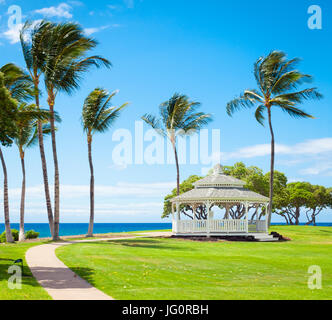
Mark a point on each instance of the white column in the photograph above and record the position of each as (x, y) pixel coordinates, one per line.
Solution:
(247, 214)
(257, 218)
(177, 220)
(173, 219)
(267, 217)
(194, 206)
(227, 211)
(207, 205)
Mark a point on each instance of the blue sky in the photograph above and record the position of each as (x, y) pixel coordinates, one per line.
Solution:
(205, 49)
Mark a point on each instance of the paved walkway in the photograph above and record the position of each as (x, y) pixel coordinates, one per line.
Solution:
(58, 280)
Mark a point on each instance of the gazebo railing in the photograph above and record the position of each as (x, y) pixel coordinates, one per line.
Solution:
(257, 226)
(211, 226)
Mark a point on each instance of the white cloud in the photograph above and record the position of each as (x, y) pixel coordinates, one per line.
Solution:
(309, 147)
(13, 34)
(121, 202)
(122, 189)
(323, 168)
(90, 31)
(61, 11)
(316, 153)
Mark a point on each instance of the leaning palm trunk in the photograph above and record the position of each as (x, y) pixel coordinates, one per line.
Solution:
(56, 174)
(22, 209)
(9, 236)
(92, 187)
(44, 166)
(272, 166)
(177, 167)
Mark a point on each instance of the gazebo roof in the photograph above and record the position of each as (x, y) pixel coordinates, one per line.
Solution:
(219, 179)
(219, 187)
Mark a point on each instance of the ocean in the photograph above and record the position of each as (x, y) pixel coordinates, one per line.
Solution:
(75, 229)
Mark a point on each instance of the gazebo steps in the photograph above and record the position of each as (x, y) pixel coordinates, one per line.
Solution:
(265, 238)
(259, 237)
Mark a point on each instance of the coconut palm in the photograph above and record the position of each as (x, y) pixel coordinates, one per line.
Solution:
(26, 124)
(178, 117)
(15, 86)
(7, 132)
(278, 83)
(34, 37)
(65, 65)
(97, 117)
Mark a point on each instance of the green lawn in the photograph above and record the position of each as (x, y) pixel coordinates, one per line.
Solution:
(181, 269)
(30, 288)
(112, 235)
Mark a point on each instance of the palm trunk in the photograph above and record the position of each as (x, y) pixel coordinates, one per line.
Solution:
(272, 165)
(56, 175)
(177, 167)
(9, 236)
(22, 233)
(92, 188)
(44, 166)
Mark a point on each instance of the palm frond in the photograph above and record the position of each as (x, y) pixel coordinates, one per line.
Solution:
(34, 37)
(195, 122)
(290, 81)
(295, 112)
(244, 101)
(298, 97)
(259, 114)
(154, 123)
(278, 82)
(107, 118)
(98, 115)
(18, 83)
(66, 57)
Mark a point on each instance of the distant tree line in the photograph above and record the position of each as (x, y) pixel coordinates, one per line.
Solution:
(291, 201)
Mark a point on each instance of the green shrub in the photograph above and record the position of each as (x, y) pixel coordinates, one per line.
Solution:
(31, 235)
(15, 234)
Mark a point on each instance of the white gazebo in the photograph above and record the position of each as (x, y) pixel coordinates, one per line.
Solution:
(224, 192)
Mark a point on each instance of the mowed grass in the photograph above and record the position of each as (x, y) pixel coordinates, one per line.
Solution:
(181, 269)
(31, 290)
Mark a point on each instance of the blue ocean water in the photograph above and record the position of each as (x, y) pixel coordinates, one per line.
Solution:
(74, 229)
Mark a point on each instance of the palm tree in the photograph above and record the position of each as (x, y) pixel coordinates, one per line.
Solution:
(178, 117)
(65, 64)
(278, 86)
(26, 136)
(7, 132)
(33, 38)
(97, 117)
(16, 86)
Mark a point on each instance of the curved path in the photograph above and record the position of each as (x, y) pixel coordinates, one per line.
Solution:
(58, 280)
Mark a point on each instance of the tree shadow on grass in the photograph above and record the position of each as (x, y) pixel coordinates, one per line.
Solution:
(146, 244)
(27, 277)
(52, 278)
(326, 231)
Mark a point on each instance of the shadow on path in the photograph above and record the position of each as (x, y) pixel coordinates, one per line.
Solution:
(49, 277)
